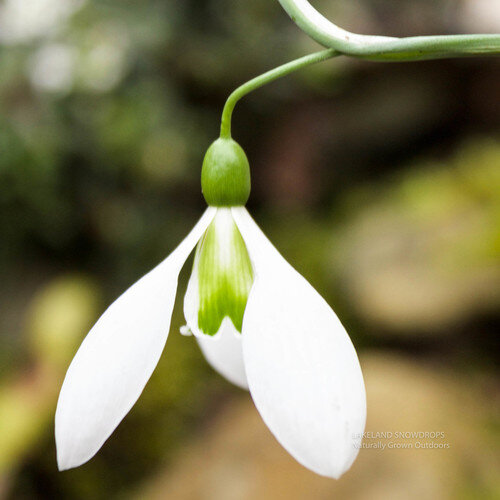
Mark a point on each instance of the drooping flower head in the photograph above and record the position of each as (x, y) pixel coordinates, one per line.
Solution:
(258, 322)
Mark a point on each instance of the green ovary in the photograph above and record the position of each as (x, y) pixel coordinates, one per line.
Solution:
(224, 274)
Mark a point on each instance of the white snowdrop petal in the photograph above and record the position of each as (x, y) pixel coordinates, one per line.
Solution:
(116, 359)
(224, 354)
(223, 350)
(221, 278)
(302, 369)
(192, 300)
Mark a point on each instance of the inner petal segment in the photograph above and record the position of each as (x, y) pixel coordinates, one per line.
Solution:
(224, 274)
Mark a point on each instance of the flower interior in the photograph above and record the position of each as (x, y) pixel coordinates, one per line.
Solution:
(225, 274)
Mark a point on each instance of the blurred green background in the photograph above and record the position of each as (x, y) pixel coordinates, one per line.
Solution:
(380, 183)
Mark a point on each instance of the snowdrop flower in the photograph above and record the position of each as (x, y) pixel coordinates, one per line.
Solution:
(258, 322)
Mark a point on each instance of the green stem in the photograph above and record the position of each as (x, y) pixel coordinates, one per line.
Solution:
(377, 48)
(387, 48)
(270, 76)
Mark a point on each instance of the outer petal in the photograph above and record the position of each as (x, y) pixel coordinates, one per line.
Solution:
(302, 369)
(224, 353)
(117, 357)
(192, 302)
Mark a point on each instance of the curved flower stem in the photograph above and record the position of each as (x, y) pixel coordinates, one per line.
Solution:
(268, 77)
(387, 48)
(376, 48)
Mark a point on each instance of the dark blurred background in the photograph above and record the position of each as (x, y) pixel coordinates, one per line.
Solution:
(379, 182)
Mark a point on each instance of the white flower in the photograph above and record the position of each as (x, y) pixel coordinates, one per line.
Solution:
(293, 354)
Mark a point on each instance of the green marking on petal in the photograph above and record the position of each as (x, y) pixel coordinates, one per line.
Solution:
(225, 274)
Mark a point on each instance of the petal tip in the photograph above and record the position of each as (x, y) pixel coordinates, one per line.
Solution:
(63, 464)
(66, 462)
(70, 453)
